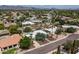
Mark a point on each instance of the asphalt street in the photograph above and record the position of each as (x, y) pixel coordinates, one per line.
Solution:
(47, 48)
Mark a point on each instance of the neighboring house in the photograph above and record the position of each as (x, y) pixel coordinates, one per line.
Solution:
(51, 30)
(36, 21)
(44, 31)
(49, 16)
(66, 18)
(68, 26)
(33, 34)
(10, 42)
(31, 22)
(4, 32)
(32, 18)
(37, 31)
(27, 23)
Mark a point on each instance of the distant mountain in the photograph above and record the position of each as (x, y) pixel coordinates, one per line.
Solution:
(34, 7)
(20, 7)
(54, 6)
(5, 7)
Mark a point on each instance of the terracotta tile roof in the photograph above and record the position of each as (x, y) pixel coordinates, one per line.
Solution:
(11, 40)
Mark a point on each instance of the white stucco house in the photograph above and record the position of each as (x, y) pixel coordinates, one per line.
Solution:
(33, 34)
(37, 31)
(51, 30)
(27, 23)
(68, 26)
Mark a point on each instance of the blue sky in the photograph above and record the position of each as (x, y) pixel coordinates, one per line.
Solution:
(56, 6)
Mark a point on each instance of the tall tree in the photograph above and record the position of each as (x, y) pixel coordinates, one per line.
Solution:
(25, 43)
(73, 47)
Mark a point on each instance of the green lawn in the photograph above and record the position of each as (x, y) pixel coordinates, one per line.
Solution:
(11, 51)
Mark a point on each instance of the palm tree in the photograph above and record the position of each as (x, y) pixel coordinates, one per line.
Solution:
(58, 50)
(74, 47)
(68, 46)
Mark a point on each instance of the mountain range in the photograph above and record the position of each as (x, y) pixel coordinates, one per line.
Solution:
(24, 7)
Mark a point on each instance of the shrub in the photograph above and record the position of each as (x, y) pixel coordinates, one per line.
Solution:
(1, 26)
(58, 31)
(70, 30)
(27, 29)
(40, 36)
(13, 29)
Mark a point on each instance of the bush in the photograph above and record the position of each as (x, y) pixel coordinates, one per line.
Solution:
(74, 22)
(19, 24)
(1, 26)
(62, 22)
(13, 29)
(58, 31)
(27, 29)
(70, 30)
(40, 36)
(25, 43)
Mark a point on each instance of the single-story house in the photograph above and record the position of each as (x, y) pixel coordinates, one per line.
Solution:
(33, 34)
(66, 18)
(68, 26)
(51, 30)
(27, 23)
(37, 31)
(4, 32)
(10, 42)
(36, 21)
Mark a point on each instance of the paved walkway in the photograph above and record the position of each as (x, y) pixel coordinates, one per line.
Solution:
(48, 40)
(36, 44)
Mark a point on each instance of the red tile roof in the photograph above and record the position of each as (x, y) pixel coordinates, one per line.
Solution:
(11, 40)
